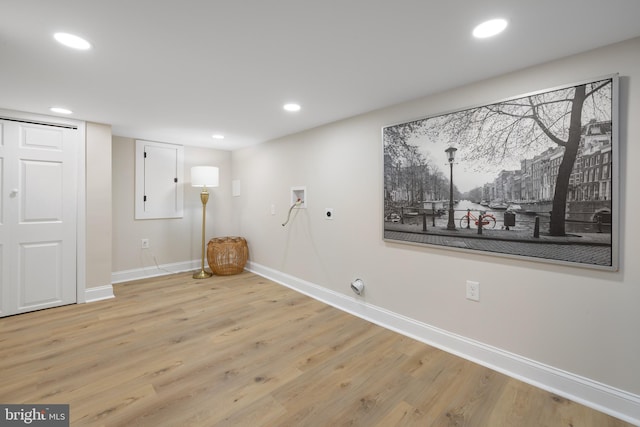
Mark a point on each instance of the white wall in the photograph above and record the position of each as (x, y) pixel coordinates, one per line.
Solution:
(98, 205)
(581, 321)
(175, 242)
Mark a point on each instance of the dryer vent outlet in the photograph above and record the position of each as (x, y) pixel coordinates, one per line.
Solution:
(357, 286)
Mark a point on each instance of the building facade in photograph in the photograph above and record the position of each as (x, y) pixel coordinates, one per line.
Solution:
(591, 178)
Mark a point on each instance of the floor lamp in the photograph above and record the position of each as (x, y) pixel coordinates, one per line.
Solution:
(204, 176)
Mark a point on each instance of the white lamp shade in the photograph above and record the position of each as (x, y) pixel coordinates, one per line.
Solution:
(204, 176)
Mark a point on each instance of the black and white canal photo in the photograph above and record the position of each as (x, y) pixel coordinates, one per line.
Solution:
(533, 176)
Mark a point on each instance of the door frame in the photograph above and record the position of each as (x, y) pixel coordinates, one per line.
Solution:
(81, 227)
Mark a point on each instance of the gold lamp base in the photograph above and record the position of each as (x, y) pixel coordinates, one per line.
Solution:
(203, 176)
(202, 274)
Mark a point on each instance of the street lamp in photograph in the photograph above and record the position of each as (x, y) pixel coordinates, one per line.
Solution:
(451, 155)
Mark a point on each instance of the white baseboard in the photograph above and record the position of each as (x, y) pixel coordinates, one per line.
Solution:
(98, 293)
(601, 397)
(161, 270)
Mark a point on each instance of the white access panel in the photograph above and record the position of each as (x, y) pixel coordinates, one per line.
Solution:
(159, 174)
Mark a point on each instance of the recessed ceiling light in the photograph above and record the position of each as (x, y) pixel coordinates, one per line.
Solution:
(60, 110)
(489, 28)
(291, 107)
(217, 136)
(72, 41)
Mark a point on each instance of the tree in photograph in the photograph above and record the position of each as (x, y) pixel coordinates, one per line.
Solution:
(512, 130)
(406, 168)
(408, 171)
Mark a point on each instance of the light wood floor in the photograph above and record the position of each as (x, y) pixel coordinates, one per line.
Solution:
(244, 351)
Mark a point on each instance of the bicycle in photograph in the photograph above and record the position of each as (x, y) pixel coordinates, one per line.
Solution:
(487, 220)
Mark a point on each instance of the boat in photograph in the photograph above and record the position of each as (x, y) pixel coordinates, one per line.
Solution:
(498, 205)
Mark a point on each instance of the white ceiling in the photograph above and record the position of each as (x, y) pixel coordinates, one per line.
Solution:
(180, 70)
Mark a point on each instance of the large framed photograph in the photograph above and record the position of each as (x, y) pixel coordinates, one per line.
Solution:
(533, 176)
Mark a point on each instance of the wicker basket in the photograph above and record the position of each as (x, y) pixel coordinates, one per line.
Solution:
(227, 255)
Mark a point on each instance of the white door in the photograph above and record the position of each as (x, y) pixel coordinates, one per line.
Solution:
(38, 198)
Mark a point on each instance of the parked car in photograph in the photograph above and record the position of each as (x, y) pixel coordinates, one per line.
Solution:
(392, 217)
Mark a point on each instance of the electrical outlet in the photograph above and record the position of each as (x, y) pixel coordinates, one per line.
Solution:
(144, 243)
(473, 290)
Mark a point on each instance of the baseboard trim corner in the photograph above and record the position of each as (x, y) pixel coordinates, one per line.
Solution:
(98, 293)
(601, 397)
